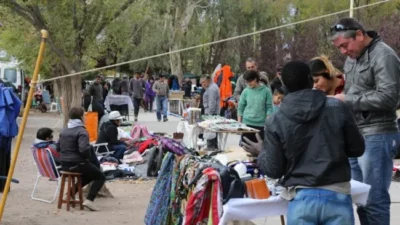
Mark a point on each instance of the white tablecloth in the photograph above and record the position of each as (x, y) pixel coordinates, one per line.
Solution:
(191, 133)
(249, 209)
(118, 100)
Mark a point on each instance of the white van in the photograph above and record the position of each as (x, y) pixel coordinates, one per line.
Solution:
(12, 73)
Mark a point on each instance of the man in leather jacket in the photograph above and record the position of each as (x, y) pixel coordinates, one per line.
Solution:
(372, 72)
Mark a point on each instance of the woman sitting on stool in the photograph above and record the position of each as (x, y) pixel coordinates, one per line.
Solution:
(76, 153)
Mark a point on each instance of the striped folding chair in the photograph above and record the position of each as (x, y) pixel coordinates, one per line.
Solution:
(46, 168)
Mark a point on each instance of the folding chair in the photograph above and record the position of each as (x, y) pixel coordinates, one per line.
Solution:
(96, 149)
(46, 168)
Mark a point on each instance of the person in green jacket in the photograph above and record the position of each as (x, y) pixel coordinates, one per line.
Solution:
(255, 104)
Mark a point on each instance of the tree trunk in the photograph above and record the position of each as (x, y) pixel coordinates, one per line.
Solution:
(176, 61)
(70, 89)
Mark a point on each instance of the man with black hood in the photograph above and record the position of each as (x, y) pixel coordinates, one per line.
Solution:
(308, 142)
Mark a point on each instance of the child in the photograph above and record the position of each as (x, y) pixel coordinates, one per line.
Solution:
(255, 104)
(44, 139)
(279, 93)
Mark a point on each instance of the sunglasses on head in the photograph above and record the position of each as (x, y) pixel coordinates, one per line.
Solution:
(340, 28)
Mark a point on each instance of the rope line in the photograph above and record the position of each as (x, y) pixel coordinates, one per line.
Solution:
(213, 42)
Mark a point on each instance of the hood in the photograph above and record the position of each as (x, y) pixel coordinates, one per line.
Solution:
(303, 106)
(75, 123)
(38, 143)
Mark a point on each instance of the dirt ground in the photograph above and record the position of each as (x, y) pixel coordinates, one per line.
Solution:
(128, 205)
(130, 198)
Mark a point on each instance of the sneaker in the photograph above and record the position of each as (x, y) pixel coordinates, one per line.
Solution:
(90, 205)
(135, 119)
(165, 119)
(159, 120)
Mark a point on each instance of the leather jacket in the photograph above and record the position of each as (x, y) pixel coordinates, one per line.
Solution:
(372, 87)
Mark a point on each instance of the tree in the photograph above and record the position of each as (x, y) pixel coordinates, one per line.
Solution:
(75, 27)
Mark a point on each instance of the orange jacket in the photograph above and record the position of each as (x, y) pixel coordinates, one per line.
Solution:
(224, 83)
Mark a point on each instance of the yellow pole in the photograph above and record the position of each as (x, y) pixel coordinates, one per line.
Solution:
(45, 35)
(351, 8)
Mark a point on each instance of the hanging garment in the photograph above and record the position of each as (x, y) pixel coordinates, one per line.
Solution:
(10, 106)
(157, 211)
(205, 203)
(222, 79)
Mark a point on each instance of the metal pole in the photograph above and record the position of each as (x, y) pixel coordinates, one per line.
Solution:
(45, 35)
(351, 8)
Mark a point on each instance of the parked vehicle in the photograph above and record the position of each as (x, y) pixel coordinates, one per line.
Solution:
(11, 72)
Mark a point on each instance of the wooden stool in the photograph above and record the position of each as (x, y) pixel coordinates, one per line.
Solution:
(70, 190)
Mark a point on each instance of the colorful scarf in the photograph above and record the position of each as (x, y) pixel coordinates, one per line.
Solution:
(205, 202)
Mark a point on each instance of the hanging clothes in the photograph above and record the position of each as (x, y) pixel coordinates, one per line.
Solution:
(223, 79)
(205, 203)
(9, 110)
(157, 211)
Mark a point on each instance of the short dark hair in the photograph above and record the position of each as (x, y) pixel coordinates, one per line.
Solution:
(296, 76)
(276, 83)
(76, 113)
(99, 76)
(44, 133)
(250, 75)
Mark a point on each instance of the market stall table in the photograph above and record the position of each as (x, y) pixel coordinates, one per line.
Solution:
(244, 209)
(118, 100)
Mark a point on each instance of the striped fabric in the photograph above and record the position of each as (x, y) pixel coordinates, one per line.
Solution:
(45, 162)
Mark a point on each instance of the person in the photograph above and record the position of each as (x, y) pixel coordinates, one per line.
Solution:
(161, 89)
(211, 104)
(307, 146)
(187, 88)
(278, 96)
(371, 90)
(251, 64)
(44, 139)
(95, 97)
(325, 76)
(76, 153)
(116, 86)
(149, 95)
(255, 104)
(125, 85)
(109, 134)
(137, 92)
(96, 90)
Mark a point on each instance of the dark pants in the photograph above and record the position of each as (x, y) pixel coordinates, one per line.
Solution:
(252, 136)
(149, 103)
(119, 151)
(136, 105)
(89, 173)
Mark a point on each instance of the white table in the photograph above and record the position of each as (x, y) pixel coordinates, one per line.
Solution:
(244, 209)
(118, 100)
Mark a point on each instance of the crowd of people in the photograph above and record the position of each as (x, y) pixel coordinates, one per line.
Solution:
(318, 127)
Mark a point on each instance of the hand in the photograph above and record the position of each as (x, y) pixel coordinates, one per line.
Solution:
(254, 148)
(340, 97)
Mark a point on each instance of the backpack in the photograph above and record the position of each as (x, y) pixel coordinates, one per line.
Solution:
(138, 131)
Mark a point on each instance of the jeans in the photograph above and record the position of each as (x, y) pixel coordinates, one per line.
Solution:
(162, 104)
(375, 167)
(119, 151)
(136, 106)
(89, 173)
(314, 206)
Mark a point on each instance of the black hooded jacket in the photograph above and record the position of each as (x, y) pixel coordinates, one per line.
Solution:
(309, 140)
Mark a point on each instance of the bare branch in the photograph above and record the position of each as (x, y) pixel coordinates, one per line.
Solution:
(106, 21)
